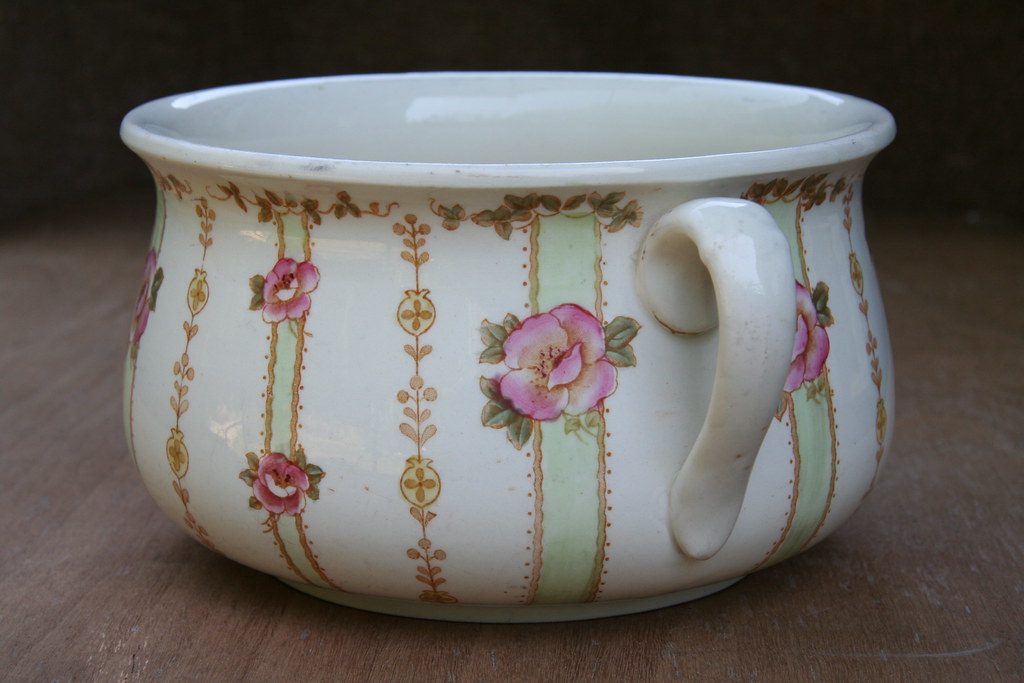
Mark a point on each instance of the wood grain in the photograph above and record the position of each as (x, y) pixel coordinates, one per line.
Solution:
(924, 583)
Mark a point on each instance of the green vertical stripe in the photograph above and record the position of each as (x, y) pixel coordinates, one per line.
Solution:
(283, 387)
(288, 343)
(784, 214)
(293, 239)
(572, 519)
(128, 394)
(566, 253)
(813, 445)
(567, 249)
(286, 528)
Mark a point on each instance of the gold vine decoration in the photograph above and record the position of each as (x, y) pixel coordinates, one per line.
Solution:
(420, 483)
(871, 345)
(518, 212)
(197, 296)
(309, 210)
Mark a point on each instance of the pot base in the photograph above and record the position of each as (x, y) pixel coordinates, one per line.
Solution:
(504, 614)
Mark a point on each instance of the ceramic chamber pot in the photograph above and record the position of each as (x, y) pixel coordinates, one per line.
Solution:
(508, 347)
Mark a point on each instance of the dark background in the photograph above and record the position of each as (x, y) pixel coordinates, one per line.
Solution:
(949, 70)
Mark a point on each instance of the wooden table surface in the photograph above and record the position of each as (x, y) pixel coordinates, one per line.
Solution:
(924, 583)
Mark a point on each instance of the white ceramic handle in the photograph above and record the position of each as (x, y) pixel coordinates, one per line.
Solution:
(729, 251)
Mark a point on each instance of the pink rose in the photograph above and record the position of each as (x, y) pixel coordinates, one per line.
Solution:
(557, 364)
(286, 289)
(810, 346)
(280, 484)
(141, 315)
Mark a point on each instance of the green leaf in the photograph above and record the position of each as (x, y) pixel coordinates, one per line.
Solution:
(605, 206)
(266, 214)
(492, 354)
(255, 504)
(514, 202)
(551, 203)
(510, 322)
(497, 415)
(492, 333)
(837, 189)
(820, 296)
(629, 214)
(574, 202)
(572, 424)
(493, 336)
(587, 423)
(158, 279)
(453, 216)
(299, 458)
(521, 204)
(816, 388)
(520, 430)
(620, 332)
(489, 387)
(256, 285)
(622, 358)
(820, 299)
(489, 217)
(247, 476)
(253, 460)
(313, 492)
(503, 229)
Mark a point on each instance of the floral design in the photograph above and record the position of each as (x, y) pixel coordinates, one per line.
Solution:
(177, 453)
(281, 485)
(562, 362)
(420, 482)
(152, 278)
(806, 413)
(281, 479)
(557, 364)
(810, 345)
(198, 292)
(284, 292)
(416, 312)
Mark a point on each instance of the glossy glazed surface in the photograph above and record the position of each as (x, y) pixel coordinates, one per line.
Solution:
(447, 390)
(467, 127)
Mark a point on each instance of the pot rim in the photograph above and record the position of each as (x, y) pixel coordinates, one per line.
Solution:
(149, 131)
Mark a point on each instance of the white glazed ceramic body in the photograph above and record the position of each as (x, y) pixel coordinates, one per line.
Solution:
(417, 343)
